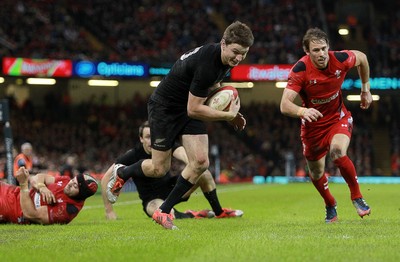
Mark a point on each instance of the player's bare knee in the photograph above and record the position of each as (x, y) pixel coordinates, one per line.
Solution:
(160, 171)
(153, 205)
(335, 153)
(201, 165)
(316, 173)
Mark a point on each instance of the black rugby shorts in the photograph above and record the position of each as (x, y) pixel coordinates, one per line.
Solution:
(168, 123)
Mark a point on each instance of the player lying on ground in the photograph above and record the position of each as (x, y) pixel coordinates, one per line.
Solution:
(153, 191)
(50, 200)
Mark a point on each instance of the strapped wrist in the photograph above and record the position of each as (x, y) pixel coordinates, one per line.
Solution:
(365, 87)
(24, 187)
(40, 186)
(301, 111)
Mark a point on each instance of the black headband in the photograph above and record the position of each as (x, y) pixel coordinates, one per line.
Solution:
(84, 190)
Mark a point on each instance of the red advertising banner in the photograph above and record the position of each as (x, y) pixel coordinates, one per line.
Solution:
(36, 67)
(260, 72)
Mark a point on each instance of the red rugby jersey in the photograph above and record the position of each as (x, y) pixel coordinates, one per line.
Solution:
(321, 89)
(65, 209)
(62, 212)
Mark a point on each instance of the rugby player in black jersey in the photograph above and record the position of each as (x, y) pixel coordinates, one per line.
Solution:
(176, 110)
(153, 191)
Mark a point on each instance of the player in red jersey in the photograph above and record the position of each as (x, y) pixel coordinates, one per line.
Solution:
(49, 201)
(326, 125)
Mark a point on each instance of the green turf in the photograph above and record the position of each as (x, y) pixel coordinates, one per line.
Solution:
(281, 223)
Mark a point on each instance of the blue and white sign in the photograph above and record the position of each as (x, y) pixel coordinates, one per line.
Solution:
(84, 69)
(111, 69)
(376, 83)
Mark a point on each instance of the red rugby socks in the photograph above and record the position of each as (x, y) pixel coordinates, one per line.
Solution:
(348, 172)
(322, 186)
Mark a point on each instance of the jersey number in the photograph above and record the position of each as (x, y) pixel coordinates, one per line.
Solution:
(184, 56)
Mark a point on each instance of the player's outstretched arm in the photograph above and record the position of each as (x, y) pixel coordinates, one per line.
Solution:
(108, 208)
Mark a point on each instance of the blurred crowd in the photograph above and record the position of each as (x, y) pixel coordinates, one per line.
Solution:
(95, 134)
(158, 32)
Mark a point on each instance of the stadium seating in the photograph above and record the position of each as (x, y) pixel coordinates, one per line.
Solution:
(158, 32)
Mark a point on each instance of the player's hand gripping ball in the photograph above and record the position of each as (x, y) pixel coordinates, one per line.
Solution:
(220, 99)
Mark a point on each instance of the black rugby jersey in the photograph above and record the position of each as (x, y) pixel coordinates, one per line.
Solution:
(195, 71)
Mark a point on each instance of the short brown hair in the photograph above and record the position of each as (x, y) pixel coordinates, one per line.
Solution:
(314, 34)
(238, 33)
(143, 126)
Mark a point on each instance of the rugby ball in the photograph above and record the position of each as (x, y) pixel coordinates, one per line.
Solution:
(220, 99)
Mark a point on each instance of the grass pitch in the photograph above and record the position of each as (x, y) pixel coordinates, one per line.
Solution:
(280, 223)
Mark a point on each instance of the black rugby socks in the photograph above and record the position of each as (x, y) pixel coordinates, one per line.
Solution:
(134, 170)
(214, 202)
(181, 187)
